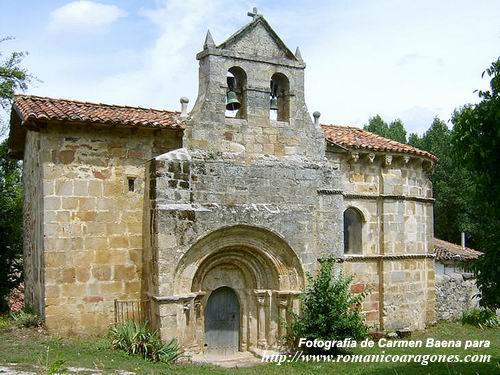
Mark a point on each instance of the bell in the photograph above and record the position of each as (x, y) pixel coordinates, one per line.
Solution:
(273, 105)
(232, 102)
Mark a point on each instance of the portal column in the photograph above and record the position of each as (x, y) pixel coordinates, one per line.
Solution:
(283, 312)
(261, 309)
(199, 320)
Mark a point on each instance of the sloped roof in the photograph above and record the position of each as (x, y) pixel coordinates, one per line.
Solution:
(30, 107)
(258, 20)
(449, 251)
(356, 138)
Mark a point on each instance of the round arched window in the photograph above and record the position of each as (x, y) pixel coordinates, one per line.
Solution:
(353, 223)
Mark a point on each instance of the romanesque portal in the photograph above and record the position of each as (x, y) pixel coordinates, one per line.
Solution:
(243, 281)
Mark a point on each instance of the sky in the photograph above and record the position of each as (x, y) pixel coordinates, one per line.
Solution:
(406, 59)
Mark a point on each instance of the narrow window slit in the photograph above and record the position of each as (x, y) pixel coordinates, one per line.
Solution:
(131, 184)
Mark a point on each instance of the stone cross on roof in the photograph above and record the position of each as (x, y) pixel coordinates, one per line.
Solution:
(254, 13)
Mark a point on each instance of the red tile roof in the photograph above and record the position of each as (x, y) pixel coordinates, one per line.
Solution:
(31, 107)
(449, 251)
(355, 138)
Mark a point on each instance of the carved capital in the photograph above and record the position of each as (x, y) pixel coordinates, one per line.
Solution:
(197, 304)
(260, 296)
(283, 301)
(354, 157)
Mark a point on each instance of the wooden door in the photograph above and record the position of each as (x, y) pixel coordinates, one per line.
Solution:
(222, 322)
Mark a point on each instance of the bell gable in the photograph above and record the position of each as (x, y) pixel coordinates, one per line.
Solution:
(251, 98)
(258, 39)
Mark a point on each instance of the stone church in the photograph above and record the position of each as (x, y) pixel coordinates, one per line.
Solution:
(214, 216)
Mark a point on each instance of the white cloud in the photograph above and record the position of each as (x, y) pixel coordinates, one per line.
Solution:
(418, 119)
(365, 59)
(84, 15)
(169, 68)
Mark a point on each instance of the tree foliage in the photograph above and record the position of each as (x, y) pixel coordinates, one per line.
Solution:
(13, 78)
(466, 180)
(452, 184)
(395, 130)
(377, 125)
(329, 310)
(11, 207)
(476, 144)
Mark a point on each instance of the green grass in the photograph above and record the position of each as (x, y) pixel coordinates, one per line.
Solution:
(5, 322)
(28, 347)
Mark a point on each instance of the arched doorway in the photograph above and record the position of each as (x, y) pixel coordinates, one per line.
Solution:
(222, 322)
(263, 274)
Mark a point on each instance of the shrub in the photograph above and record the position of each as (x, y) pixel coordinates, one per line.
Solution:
(5, 322)
(138, 339)
(329, 311)
(26, 317)
(481, 317)
(48, 367)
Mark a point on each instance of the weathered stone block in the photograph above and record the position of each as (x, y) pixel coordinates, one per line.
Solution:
(118, 242)
(64, 188)
(81, 188)
(69, 203)
(82, 274)
(52, 203)
(95, 188)
(102, 272)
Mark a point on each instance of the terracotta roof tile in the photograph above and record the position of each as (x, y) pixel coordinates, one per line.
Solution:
(32, 107)
(449, 251)
(355, 138)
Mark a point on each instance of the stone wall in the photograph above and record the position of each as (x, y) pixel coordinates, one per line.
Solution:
(366, 273)
(262, 220)
(394, 195)
(92, 222)
(454, 295)
(33, 224)
(409, 296)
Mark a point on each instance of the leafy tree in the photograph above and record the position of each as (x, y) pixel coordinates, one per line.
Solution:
(329, 310)
(414, 140)
(13, 78)
(11, 208)
(377, 125)
(452, 184)
(395, 130)
(476, 142)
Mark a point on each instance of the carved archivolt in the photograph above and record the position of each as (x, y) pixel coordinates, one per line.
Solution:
(264, 259)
